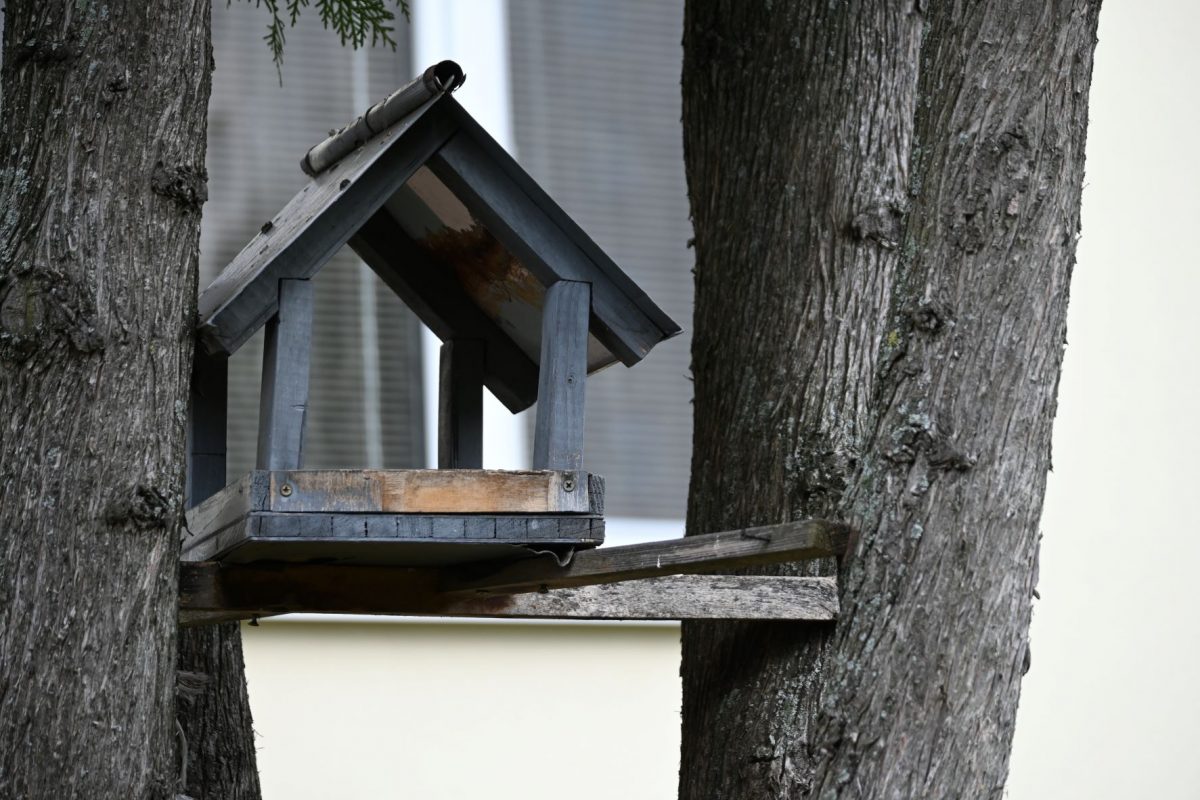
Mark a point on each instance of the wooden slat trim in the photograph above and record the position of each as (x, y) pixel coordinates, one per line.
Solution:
(350, 533)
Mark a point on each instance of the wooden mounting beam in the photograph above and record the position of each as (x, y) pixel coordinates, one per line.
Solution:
(207, 590)
(710, 552)
(211, 591)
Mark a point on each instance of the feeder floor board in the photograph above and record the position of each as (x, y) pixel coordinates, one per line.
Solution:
(396, 517)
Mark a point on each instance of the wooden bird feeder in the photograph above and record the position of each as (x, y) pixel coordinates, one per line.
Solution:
(524, 302)
(526, 305)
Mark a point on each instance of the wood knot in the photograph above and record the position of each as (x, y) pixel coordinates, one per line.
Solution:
(931, 317)
(882, 224)
(143, 507)
(41, 307)
(186, 186)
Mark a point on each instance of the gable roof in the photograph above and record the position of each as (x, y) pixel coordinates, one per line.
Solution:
(453, 225)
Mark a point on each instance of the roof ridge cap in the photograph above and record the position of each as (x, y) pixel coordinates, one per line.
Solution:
(442, 78)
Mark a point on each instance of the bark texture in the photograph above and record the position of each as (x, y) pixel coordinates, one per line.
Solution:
(214, 712)
(101, 184)
(886, 202)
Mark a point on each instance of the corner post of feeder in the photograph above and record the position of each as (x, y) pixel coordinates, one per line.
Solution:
(558, 429)
(207, 416)
(283, 403)
(460, 405)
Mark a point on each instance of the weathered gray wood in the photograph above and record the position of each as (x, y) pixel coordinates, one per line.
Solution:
(596, 492)
(314, 224)
(206, 426)
(532, 227)
(790, 541)
(283, 402)
(226, 507)
(403, 503)
(670, 597)
(433, 295)
(206, 589)
(365, 538)
(562, 375)
(460, 405)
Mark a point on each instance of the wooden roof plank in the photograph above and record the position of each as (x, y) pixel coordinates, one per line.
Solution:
(432, 295)
(612, 273)
(523, 225)
(311, 228)
(343, 204)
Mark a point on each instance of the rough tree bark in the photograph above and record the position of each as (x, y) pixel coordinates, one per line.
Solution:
(886, 200)
(101, 184)
(214, 713)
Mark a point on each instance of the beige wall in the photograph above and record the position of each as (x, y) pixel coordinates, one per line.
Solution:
(1111, 708)
(451, 711)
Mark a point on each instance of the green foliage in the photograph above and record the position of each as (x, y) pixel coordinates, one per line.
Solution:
(352, 20)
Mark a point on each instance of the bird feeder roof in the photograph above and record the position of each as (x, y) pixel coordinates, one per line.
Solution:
(453, 225)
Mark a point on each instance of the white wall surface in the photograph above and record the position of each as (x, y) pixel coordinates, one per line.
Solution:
(1111, 708)
(453, 711)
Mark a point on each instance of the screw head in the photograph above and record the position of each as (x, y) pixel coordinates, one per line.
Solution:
(569, 484)
(286, 490)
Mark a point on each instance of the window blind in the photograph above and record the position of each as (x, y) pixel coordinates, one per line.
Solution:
(596, 110)
(258, 130)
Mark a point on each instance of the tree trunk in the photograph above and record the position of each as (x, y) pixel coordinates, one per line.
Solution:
(885, 202)
(219, 756)
(101, 184)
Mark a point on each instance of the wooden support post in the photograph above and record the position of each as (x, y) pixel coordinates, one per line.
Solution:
(283, 403)
(558, 430)
(460, 405)
(206, 426)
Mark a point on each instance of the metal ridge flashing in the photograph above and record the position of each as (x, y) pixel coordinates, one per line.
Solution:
(443, 77)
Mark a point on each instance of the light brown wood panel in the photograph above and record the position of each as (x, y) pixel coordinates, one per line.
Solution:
(485, 492)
